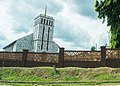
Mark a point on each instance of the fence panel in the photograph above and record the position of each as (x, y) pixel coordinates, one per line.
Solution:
(82, 55)
(112, 53)
(43, 57)
(65, 58)
(11, 56)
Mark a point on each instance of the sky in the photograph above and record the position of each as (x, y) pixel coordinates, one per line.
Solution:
(76, 24)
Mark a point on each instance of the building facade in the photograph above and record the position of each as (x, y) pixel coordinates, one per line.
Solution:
(39, 41)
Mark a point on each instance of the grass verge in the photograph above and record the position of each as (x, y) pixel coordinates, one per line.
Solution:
(68, 74)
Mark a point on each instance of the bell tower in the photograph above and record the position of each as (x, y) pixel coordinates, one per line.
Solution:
(43, 32)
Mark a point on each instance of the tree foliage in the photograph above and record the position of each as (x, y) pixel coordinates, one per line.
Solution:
(93, 48)
(109, 10)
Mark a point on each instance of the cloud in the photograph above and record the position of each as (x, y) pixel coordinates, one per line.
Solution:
(86, 8)
(67, 33)
(28, 9)
(25, 11)
(1, 47)
(53, 6)
(77, 29)
(23, 14)
(76, 25)
(21, 29)
(68, 28)
(105, 39)
(2, 36)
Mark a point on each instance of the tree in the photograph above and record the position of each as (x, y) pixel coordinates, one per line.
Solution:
(109, 10)
(93, 48)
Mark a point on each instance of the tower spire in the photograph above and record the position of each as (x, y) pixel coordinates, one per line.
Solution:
(45, 11)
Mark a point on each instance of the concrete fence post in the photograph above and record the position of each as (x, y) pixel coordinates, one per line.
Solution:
(24, 57)
(61, 57)
(103, 56)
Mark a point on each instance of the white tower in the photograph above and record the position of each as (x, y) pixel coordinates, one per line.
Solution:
(43, 33)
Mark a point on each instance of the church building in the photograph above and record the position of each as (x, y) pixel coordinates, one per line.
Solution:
(39, 41)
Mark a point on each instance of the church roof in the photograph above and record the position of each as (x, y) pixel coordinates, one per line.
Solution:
(16, 41)
(10, 44)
